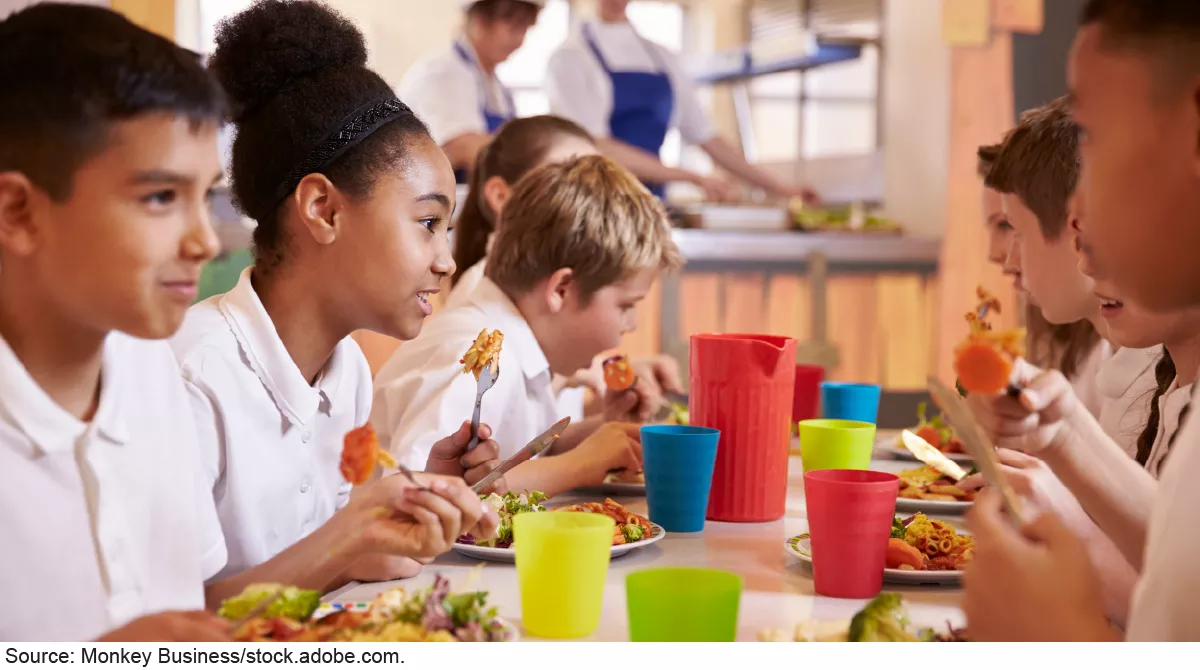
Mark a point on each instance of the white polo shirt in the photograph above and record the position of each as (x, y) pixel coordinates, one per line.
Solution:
(580, 90)
(449, 94)
(272, 442)
(1165, 607)
(101, 522)
(422, 394)
(1126, 383)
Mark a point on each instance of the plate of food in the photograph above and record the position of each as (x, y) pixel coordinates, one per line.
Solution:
(921, 551)
(632, 531)
(621, 483)
(884, 619)
(432, 614)
(924, 489)
(935, 431)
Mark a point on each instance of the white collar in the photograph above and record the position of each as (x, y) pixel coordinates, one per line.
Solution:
(50, 427)
(503, 312)
(264, 352)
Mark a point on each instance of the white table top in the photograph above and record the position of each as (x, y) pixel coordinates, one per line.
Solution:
(778, 590)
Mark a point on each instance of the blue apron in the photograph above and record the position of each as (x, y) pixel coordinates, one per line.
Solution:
(642, 105)
(493, 119)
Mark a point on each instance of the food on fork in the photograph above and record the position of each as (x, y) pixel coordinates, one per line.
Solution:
(483, 353)
(984, 360)
(619, 374)
(361, 454)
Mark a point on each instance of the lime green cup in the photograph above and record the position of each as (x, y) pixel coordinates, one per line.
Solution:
(683, 605)
(562, 563)
(836, 444)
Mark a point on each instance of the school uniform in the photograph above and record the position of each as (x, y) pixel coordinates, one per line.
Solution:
(422, 394)
(1165, 607)
(451, 93)
(615, 83)
(1126, 382)
(1084, 381)
(271, 441)
(101, 522)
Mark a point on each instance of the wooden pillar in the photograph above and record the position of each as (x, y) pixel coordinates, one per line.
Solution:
(981, 105)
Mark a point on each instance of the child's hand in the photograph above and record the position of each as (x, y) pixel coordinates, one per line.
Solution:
(660, 374)
(450, 457)
(1038, 486)
(394, 517)
(383, 568)
(614, 446)
(1035, 422)
(173, 627)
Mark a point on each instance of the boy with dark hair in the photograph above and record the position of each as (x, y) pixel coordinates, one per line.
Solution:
(107, 157)
(1135, 78)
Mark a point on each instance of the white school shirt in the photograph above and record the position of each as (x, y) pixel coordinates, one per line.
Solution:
(1126, 383)
(570, 400)
(422, 395)
(580, 90)
(448, 94)
(271, 442)
(101, 522)
(1165, 606)
(1084, 381)
(1170, 408)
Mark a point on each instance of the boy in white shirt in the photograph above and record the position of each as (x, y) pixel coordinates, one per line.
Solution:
(581, 243)
(107, 156)
(1135, 77)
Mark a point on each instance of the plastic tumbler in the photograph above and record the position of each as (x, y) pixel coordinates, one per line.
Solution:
(682, 605)
(855, 402)
(850, 516)
(836, 444)
(807, 396)
(562, 562)
(678, 462)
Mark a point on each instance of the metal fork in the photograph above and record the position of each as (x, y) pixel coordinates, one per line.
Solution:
(487, 378)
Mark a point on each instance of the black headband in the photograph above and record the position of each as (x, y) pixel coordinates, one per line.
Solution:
(355, 128)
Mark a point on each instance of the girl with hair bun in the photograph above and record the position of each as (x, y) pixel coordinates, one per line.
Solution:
(352, 199)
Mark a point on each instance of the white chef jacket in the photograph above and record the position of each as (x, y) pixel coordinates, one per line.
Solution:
(449, 94)
(272, 442)
(1165, 607)
(422, 394)
(580, 90)
(1126, 383)
(107, 521)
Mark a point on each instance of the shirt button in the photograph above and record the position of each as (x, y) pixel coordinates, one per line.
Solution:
(304, 487)
(306, 436)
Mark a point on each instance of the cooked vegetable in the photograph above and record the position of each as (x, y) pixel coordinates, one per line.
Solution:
(508, 506)
(633, 532)
(619, 374)
(884, 619)
(361, 454)
(296, 604)
(982, 368)
(902, 555)
(898, 529)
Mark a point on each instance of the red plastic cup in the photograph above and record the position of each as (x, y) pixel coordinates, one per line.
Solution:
(807, 396)
(850, 515)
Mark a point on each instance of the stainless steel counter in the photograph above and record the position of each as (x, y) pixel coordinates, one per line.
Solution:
(778, 250)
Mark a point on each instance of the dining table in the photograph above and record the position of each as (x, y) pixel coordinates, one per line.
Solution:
(777, 587)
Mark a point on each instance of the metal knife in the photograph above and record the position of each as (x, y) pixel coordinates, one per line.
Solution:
(538, 445)
(932, 456)
(976, 443)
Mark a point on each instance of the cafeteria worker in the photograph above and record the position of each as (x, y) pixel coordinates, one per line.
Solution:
(456, 91)
(628, 92)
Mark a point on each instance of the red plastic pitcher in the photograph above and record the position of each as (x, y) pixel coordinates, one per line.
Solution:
(742, 385)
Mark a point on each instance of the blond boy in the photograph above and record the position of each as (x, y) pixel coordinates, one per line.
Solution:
(581, 244)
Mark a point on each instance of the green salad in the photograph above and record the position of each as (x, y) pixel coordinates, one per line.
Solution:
(507, 506)
(294, 603)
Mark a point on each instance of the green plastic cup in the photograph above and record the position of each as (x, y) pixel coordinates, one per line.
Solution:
(683, 605)
(562, 563)
(836, 444)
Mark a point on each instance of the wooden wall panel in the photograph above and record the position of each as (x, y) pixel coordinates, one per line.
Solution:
(854, 328)
(789, 307)
(903, 328)
(745, 304)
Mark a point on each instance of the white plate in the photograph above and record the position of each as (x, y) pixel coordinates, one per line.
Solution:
(933, 507)
(938, 577)
(509, 555)
(329, 608)
(888, 442)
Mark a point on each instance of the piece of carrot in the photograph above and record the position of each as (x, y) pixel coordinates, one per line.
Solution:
(901, 553)
(982, 368)
(619, 374)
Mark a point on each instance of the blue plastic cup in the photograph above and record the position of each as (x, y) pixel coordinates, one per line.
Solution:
(679, 461)
(852, 402)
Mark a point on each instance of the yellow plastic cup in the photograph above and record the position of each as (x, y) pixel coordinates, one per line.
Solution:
(836, 444)
(562, 564)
